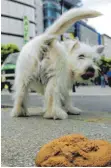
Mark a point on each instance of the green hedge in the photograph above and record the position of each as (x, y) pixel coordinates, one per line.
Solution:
(108, 60)
(105, 64)
(8, 49)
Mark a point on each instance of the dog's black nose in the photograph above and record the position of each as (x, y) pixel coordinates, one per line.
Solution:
(89, 73)
(90, 69)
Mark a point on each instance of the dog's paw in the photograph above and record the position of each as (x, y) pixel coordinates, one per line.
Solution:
(61, 115)
(20, 113)
(56, 115)
(74, 111)
(47, 115)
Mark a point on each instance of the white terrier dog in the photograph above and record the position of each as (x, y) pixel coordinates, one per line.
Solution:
(51, 67)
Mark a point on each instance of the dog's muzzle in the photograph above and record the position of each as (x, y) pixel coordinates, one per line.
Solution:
(89, 73)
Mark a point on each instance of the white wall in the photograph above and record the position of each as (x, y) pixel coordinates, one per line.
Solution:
(14, 26)
(107, 44)
(11, 39)
(88, 35)
(30, 2)
(17, 10)
(39, 17)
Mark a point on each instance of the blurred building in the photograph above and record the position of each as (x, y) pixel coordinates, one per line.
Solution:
(106, 41)
(39, 17)
(24, 19)
(52, 9)
(21, 20)
(87, 34)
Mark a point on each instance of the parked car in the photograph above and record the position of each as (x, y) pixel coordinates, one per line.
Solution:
(8, 71)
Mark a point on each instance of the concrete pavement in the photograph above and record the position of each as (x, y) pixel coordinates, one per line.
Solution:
(84, 90)
(23, 137)
(87, 98)
(93, 91)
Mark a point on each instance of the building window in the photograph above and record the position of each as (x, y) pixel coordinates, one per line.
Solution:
(52, 10)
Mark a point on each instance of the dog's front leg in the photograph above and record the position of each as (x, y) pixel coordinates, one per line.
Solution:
(53, 102)
(69, 108)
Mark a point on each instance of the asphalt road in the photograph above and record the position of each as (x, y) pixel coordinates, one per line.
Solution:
(23, 137)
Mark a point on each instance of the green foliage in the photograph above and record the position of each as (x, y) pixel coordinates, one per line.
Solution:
(105, 64)
(8, 49)
(104, 59)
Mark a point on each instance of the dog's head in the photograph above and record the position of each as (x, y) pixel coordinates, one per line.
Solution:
(83, 59)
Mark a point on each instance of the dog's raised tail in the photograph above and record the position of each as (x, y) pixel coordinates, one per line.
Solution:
(69, 18)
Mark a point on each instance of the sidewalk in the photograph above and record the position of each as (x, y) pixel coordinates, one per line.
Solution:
(81, 90)
(23, 137)
(92, 91)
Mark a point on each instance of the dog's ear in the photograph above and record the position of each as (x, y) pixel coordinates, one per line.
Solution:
(99, 49)
(72, 44)
(75, 45)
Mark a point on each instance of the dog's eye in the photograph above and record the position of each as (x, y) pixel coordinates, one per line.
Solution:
(81, 56)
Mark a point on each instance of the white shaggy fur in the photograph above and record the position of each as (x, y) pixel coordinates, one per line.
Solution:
(51, 67)
(78, 65)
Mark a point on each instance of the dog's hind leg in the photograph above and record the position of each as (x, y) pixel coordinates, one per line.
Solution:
(71, 109)
(20, 96)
